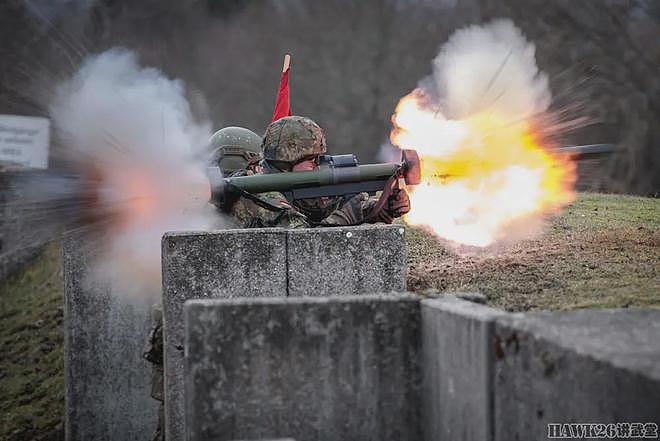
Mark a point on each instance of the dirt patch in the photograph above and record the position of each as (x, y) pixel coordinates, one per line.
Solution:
(603, 251)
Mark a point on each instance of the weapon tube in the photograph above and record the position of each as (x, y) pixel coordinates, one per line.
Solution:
(337, 175)
(591, 151)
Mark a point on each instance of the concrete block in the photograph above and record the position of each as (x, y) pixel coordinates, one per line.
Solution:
(346, 260)
(107, 382)
(226, 264)
(307, 368)
(458, 360)
(587, 366)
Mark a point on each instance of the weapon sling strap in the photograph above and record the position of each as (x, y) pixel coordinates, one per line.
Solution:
(257, 200)
(281, 211)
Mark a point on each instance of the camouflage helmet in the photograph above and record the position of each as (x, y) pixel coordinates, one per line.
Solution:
(234, 148)
(292, 138)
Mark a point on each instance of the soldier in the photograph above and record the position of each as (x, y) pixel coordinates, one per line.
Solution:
(296, 143)
(236, 150)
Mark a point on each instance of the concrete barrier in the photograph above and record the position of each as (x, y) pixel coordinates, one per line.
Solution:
(313, 368)
(587, 366)
(231, 263)
(308, 368)
(348, 260)
(268, 263)
(493, 375)
(458, 362)
(294, 367)
(107, 382)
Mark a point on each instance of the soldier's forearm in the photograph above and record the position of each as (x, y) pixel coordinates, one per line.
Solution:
(352, 212)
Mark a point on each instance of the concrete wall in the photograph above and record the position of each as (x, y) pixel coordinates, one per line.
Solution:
(487, 374)
(458, 362)
(490, 375)
(346, 260)
(589, 366)
(268, 263)
(234, 263)
(294, 367)
(107, 382)
(328, 369)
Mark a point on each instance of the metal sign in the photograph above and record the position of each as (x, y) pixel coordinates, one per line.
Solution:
(24, 141)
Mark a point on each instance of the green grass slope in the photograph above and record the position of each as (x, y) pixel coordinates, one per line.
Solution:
(31, 351)
(602, 251)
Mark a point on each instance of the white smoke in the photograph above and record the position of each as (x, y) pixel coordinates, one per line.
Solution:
(112, 98)
(388, 153)
(134, 126)
(489, 67)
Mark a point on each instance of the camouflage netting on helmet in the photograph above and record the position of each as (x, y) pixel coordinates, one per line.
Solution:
(234, 148)
(292, 138)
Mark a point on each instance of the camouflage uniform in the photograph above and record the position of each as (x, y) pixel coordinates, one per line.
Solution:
(153, 353)
(274, 211)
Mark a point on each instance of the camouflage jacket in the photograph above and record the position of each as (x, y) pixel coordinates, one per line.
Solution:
(272, 209)
(153, 352)
(277, 211)
(266, 210)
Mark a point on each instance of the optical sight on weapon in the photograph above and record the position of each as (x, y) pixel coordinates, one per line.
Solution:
(337, 175)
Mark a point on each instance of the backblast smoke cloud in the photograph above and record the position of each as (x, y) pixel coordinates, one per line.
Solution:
(132, 137)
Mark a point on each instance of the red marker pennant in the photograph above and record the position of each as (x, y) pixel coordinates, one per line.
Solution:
(283, 103)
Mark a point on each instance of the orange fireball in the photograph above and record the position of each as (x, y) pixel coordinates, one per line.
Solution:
(485, 178)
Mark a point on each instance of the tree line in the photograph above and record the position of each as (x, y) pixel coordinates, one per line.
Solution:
(352, 61)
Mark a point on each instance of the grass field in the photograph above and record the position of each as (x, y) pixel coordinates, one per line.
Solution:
(603, 251)
(31, 351)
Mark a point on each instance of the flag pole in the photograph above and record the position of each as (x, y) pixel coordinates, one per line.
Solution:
(287, 62)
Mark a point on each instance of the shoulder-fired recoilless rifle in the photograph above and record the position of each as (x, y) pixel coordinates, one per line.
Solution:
(337, 175)
(341, 175)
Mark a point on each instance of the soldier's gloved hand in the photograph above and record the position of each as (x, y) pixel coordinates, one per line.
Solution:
(398, 204)
(350, 213)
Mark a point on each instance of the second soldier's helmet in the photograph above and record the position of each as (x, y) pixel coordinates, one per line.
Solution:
(293, 138)
(234, 148)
